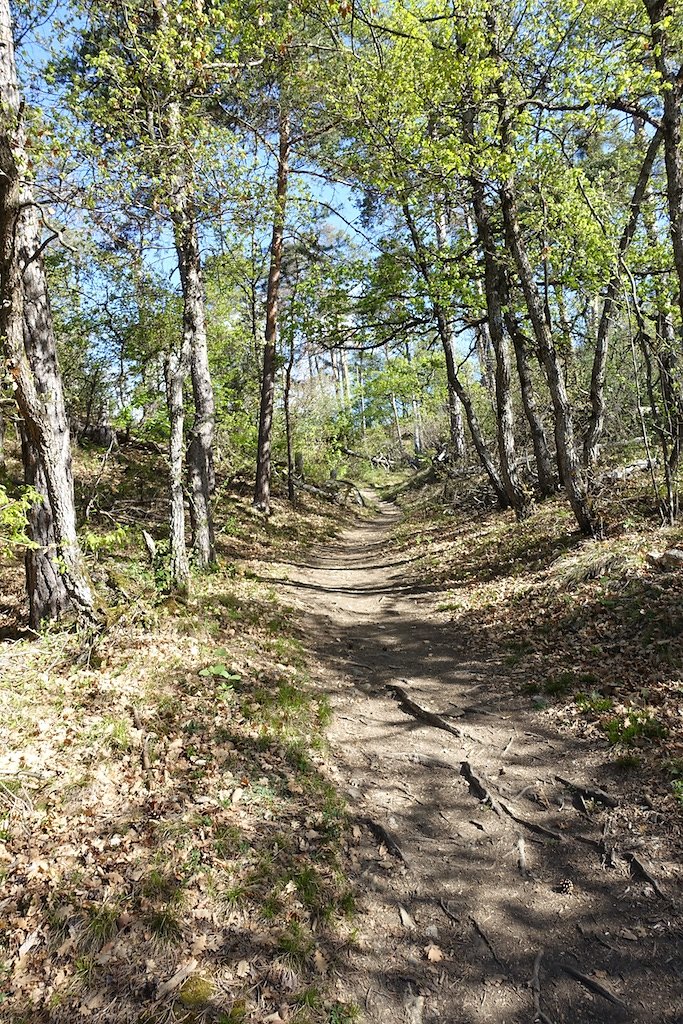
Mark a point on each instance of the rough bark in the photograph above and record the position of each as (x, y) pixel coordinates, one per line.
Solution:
(176, 374)
(200, 465)
(55, 576)
(263, 463)
(591, 444)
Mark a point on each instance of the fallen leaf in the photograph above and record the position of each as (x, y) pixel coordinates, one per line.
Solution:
(242, 969)
(434, 953)
(406, 920)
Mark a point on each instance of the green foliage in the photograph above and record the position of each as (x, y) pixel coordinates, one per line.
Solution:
(594, 702)
(14, 507)
(633, 726)
(107, 541)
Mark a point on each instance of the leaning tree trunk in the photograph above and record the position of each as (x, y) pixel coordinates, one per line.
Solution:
(448, 342)
(200, 465)
(447, 338)
(661, 13)
(263, 461)
(570, 466)
(457, 429)
(591, 443)
(493, 289)
(55, 576)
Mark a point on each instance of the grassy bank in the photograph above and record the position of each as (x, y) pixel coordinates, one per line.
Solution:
(170, 847)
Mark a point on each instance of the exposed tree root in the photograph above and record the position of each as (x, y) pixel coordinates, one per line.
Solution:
(429, 717)
(589, 792)
(593, 986)
(384, 836)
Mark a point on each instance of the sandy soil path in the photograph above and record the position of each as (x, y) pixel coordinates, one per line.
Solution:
(490, 891)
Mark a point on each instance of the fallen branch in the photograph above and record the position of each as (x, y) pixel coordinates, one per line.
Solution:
(429, 717)
(593, 986)
(590, 792)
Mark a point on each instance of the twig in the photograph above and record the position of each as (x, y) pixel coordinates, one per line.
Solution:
(592, 985)
(88, 507)
(449, 913)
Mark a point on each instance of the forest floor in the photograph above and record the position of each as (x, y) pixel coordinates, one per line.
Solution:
(418, 764)
(512, 864)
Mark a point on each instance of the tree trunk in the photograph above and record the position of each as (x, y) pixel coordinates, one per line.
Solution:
(175, 380)
(547, 481)
(448, 342)
(457, 430)
(263, 464)
(493, 288)
(55, 575)
(200, 465)
(659, 11)
(570, 466)
(482, 334)
(591, 443)
(447, 338)
(291, 491)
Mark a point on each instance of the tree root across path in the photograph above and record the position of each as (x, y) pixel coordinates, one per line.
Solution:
(423, 715)
(482, 790)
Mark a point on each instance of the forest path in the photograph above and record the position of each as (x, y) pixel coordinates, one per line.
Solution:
(453, 917)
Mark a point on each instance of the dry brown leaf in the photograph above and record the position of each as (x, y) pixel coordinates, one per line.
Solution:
(242, 970)
(434, 953)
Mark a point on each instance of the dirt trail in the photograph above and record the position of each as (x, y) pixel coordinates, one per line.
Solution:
(490, 868)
